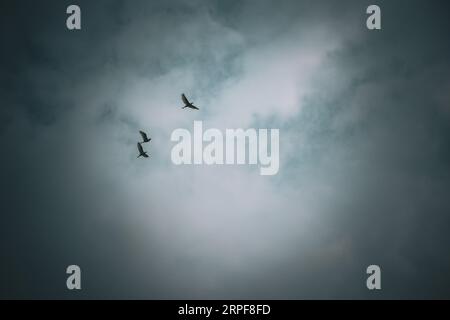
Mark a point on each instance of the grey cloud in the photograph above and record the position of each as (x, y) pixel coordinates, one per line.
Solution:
(364, 152)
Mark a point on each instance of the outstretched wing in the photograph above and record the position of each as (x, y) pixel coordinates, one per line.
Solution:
(141, 150)
(194, 107)
(144, 135)
(185, 100)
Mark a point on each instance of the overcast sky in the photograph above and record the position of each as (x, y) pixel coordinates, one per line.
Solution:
(364, 119)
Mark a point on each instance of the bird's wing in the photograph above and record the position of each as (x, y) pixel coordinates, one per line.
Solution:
(144, 135)
(185, 100)
(140, 148)
(145, 155)
(194, 107)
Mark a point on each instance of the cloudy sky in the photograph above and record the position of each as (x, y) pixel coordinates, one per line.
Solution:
(364, 119)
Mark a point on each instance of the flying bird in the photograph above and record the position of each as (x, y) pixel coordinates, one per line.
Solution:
(188, 104)
(142, 153)
(144, 137)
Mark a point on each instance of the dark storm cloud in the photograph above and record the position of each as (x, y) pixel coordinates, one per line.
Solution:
(364, 119)
(382, 138)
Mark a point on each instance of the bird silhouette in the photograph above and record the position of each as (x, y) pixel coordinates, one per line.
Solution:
(142, 153)
(144, 137)
(188, 104)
